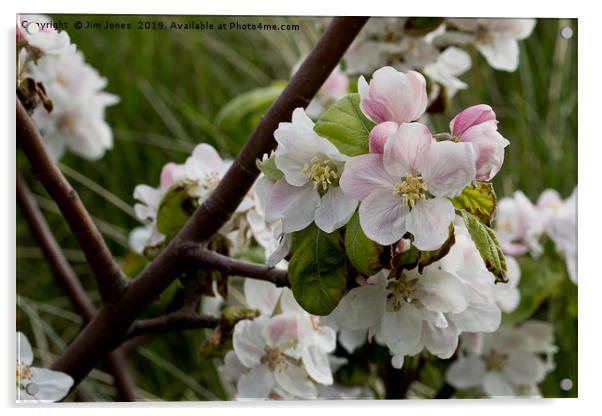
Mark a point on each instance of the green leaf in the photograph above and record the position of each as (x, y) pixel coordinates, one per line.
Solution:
(317, 270)
(479, 199)
(269, 169)
(345, 126)
(420, 26)
(487, 244)
(176, 207)
(363, 253)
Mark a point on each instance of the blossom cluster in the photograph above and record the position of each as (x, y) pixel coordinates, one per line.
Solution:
(402, 185)
(283, 353)
(508, 363)
(429, 309)
(438, 53)
(521, 224)
(76, 121)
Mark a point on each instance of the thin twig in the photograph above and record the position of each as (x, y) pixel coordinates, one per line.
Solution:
(67, 278)
(112, 322)
(175, 321)
(215, 261)
(111, 283)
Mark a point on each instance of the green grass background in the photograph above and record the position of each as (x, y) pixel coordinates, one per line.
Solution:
(172, 85)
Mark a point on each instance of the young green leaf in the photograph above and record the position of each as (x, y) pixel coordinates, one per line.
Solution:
(345, 126)
(363, 253)
(175, 208)
(269, 169)
(487, 244)
(317, 270)
(479, 199)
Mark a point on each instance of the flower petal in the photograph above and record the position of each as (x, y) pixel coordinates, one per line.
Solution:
(296, 206)
(383, 217)
(248, 341)
(256, 384)
(401, 330)
(524, 368)
(315, 361)
(496, 385)
(335, 210)
(379, 134)
(441, 342)
(449, 168)
(441, 291)
(261, 295)
(429, 222)
(51, 385)
(407, 150)
(363, 174)
(466, 372)
(24, 351)
(362, 307)
(295, 382)
(500, 53)
(281, 330)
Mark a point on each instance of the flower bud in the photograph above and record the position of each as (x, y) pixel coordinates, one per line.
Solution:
(379, 135)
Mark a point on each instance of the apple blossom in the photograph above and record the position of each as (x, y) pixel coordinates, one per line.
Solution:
(407, 188)
(519, 226)
(478, 125)
(497, 39)
(309, 189)
(508, 362)
(34, 384)
(334, 88)
(39, 38)
(446, 69)
(393, 96)
(77, 120)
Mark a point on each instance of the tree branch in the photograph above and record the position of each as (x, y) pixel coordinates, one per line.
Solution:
(175, 321)
(445, 392)
(214, 261)
(111, 283)
(112, 322)
(67, 278)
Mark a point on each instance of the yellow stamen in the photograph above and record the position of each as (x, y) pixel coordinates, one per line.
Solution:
(321, 173)
(411, 189)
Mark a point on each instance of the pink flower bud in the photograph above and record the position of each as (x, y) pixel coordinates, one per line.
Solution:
(403, 245)
(472, 116)
(336, 86)
(478, 125)
(393, 96)
(379, 135)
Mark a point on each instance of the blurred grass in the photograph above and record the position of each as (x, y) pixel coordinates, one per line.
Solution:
(173, 84)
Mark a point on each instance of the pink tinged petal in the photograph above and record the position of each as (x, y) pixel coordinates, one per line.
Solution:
(167, 175)
(449, 168)
(363, 174)
(501, 53)
(281, 330)
(407, 151)
(335, 210)
(294, 381)
(261, 295)
(379, 135)
(441, 342)
(429, 222)
(205, 159)
(489, 146)
(361, 308)
(440, 291)
(523, 368)
(401, 330)
(52, 385)
(393, 96)
(296, 206)
(24, 351)
(383, 217)
(315, 361)
(248, 341)
(496, 385)
(471, 116)
(466, 372)
(256, 384)
(336, 85)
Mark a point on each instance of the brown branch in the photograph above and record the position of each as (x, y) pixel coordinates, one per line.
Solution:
(112, 322)
(67, 278)
(214, 261)
(175, 321)
(111, 283)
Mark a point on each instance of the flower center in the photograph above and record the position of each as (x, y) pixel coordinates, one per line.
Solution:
(275, 360)
(495, 361)
(402, 291)
(322, 173)
(23, 375)
(207, 185)
(411, 189)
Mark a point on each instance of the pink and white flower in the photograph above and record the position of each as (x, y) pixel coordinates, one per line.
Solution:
(407, 189)
(507, 363)
(519, 226)
(393, 96)
(448, 66)
(309, 190)
(478, 125)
